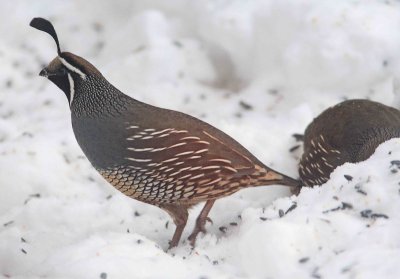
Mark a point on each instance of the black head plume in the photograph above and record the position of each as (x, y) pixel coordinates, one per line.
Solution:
(46, 26)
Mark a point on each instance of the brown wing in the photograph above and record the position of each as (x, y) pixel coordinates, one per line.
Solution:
(170, 165)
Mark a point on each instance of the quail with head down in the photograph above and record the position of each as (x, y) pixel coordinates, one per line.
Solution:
(347, 132)
(158, 156)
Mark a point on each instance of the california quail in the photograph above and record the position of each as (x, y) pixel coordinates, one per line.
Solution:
(157, 156)
(347, 132)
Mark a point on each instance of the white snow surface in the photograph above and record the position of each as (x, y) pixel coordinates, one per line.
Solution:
(288, 60)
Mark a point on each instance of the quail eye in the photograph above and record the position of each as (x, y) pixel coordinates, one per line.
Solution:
(62, 71)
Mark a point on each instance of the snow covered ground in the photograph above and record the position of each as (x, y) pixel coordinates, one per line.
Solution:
(260, 70)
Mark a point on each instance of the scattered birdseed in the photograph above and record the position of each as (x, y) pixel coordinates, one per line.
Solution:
(103, 275)
(294, 148)
(139, 241)
(304, 260)
(346, 269)
(273, 91)
(367, 213)
(315, 274)
(359, 190)
(385, 63)
(98, 27)
(23, 240)
(292, 207)
(8, 223)
(23, 251)
(245, 105)
(281, 213)
(215, 263)
(137, 214)
(263, 218)
(233, 223)
(395, 163)
(66, 159)
(298, 137)
(223, 229)
(108, 197)
(344, 206)
(91, 179)
(348, 177)
(178, 44)
(9, 83)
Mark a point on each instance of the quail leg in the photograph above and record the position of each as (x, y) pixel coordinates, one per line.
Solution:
(201, 222)
(180, 215)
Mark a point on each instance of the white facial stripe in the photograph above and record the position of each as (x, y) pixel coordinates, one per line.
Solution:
(72, 68)
(71, 89)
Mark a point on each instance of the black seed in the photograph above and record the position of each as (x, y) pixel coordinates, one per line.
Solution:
(294, 148)
(393, 171)
(139, 48)
(395, 163)
(233, 224)
(346, 269)
(66, 159)
(238, 115)
(304, 260)
(366, 213)
(166, 224)
(315, 273)
(223, 229)
(298, 137)
(292, 207)
(344, 206)
(27, 134)
(9, 83)
(100, 45)
(263, 219)
(103, 275)
(348, 177)
(32, 196)
(178, 44)
(359, 190)
(281, 213)
(127, 230)
(215, 262)
(385, 63)
(8, 223)
(379, 215)
(137, 214)
(139, 241)
(245, 105)
(23, 240)
(23, 251)
(273, 91)
(108, 197)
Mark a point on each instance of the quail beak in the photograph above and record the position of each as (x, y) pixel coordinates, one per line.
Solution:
(280, 179)
(44, 73)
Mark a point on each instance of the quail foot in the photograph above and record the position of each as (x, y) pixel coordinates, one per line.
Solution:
(161, 157)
